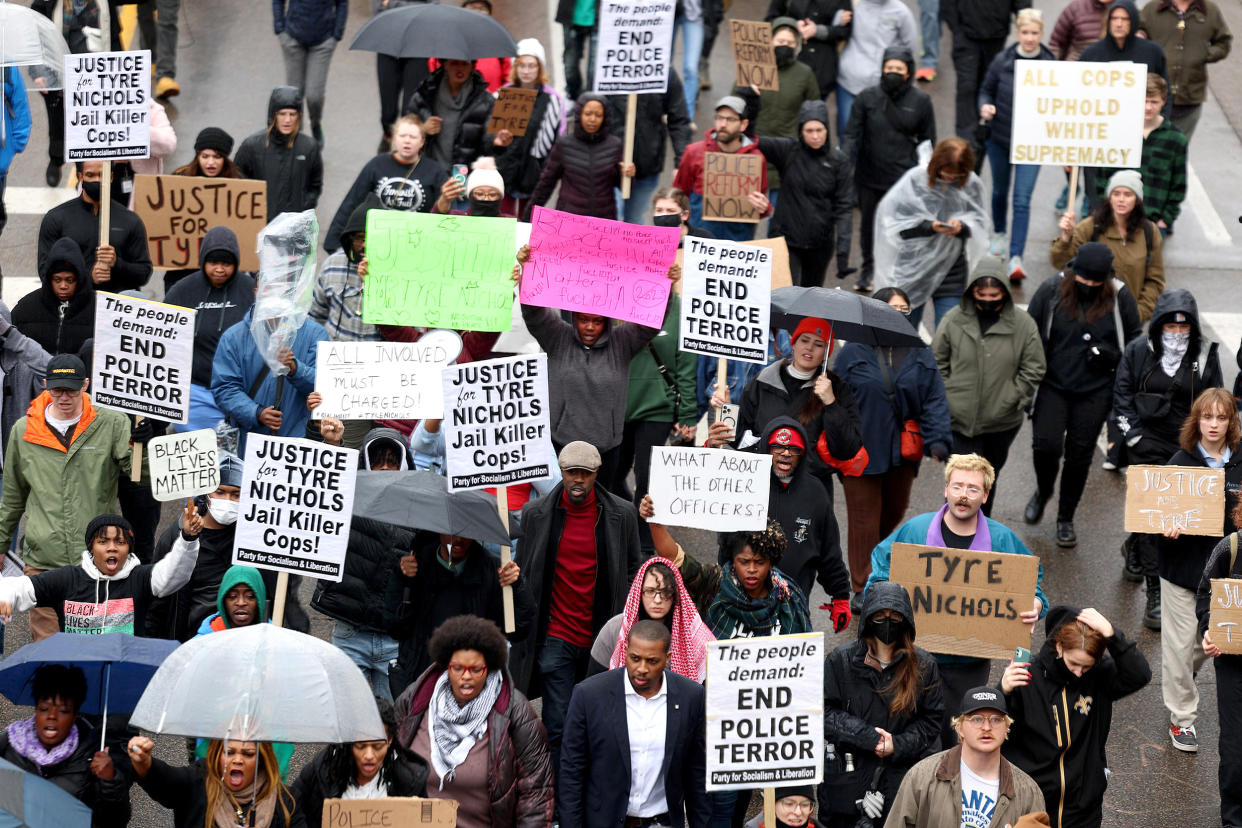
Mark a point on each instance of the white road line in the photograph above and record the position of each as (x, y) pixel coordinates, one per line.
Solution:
(1209, 220)
(15, 287)
(1226, 326)
(35, 200)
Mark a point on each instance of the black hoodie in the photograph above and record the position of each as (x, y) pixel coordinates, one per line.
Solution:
(294, 174)
(883, 130)
(1135, 49)
(60, 327)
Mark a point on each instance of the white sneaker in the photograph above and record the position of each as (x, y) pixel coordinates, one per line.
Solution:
(999, 245)
(1016, 273)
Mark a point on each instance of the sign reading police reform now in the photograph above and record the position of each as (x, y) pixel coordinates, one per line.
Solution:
(143, 353)
(635, 46)
(297, 498)
(765, 711)
(726, 299)
(108, 106)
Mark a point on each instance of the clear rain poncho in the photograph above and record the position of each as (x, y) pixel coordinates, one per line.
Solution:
(282, 302)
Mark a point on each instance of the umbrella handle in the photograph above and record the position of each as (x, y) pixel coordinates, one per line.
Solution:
(107, 685)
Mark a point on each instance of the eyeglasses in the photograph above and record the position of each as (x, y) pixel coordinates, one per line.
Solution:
(792, 451)
(64, 392)
(972, 491)
(991, 721)
(651, 593)
(797, 805)
(464, 671)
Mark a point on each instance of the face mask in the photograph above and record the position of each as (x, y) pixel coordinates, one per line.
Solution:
(892, 82)
(223, 512)
(1087, 293)
(669, 220)
(989, 307)
(484, 208)
(92, 189)
(886, 630)
(784, 55)
(1177, 342)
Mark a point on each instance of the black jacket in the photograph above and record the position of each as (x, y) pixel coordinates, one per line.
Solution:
(468, 142)
(817, 192)
(1067, 341)
(1061, 723)
(997, 90)
(819, 54)
(108, 799)
(1219, 565)
(883, 132)
(659, 117)
(183, 790)
(585, 165)
(515, 163)
(983, 19)
(60, 328)
(1182, 561)
(314, 784)
(77, 220)
(1135, 49)
(294, 174)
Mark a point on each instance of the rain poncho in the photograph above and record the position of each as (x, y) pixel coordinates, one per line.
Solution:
(286, 284)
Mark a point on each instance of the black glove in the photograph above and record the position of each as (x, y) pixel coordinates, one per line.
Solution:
(939, 451)
(142, 432)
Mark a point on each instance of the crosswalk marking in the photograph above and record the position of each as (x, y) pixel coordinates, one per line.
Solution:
(1209, 221)
(35, 201)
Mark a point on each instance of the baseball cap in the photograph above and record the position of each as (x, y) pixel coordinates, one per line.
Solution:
(983, 698)
(66, 371)
(733, 102)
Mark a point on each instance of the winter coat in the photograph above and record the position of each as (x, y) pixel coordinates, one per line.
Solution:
(474, 116)
(77, 220)
(648, 396)
(855, 705)
(1190, 43)
(294, 173)
(1222, 564)
(1061, 722)
(817, 192)
(1142, 272)
(820, 51)
(310, 22)
(409, 187)
(59, 327)
(990, 377)
(1078, 26)
(883, 133)
(108, 799)
(23, 365)
(522, 161)
(877, 25)
(1135, 49)
(997, 90)
(1182, 561)
(931, 794)
(520, 778)
(337, 299)
(183, 790)
(660, 118)
(981, 19)
(314, 785)
(585, 165)
(14, 117)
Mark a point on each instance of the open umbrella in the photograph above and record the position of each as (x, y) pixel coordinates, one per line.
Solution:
(854, 318)
(260, 683)
(434, 31)
(421, 500)
(31, 40)
(29, 801)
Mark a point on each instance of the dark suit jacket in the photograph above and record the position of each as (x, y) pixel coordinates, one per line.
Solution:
(594, 785)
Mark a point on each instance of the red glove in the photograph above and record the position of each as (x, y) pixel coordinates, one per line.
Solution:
(839, 610)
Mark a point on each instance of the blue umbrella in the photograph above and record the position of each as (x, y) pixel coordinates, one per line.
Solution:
(27, 801)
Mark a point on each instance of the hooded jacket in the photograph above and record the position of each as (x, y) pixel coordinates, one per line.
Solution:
(1134, 49)
(660, 118)
(236, 575)
(108, 799)
(585, 165)
(314, 784)
(877, 26)
(990, 375)
(471, 121)
(59, 327)
(997, 90)
(218, 309)
(819, 51)
(1061, 722)
(14, 116)
(884, 131)
(778, 115)
(855, 704)
(79, 221)
(294, 173)
(1182, 561)
(23, 365)
(981, 19)
(337, 300)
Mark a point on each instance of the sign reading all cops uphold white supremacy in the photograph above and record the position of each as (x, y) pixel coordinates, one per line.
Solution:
(143, 354)
(635, 46)
(297, 498)
(108, 106)
(726, 299)
(1084, 114)
(765, 711)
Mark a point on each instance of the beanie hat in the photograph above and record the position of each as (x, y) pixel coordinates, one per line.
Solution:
(786, 436)
(814, 326)
(796, 790)
(104, 521)
(530, 47)
(485, 174)
(230, 470)
(214, 138)
(1094, 262)
(1126, 178)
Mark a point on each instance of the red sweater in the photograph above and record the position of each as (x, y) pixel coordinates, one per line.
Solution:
(573, 582)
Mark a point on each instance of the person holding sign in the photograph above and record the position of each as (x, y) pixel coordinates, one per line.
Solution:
(586, 162)
(660, 118)
(60, 314)
(337, 302)
(520, 160)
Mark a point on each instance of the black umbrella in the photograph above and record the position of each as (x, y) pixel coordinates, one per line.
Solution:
(434, 31)
(421, 500)
(854, 318)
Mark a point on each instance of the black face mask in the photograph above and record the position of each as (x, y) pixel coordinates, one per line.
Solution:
(484, 208)
(1087, 293)
(92, 189)
(892, 83)
(669, 220)
(886, 630)
(989, 307)
(784, 55)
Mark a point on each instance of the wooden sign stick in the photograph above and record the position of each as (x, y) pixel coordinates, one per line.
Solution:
(135, 462)
(278, 604)
(502, 507)
(105, 202)
(627, 157)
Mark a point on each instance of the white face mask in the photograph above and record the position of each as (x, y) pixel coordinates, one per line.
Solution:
(223, 512)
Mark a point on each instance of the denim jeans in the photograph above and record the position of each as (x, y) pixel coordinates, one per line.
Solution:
(166, 38)
(576, 44)
(373, 652)
(306, 67)
(560, 665)
(691, 48)
(942, 305)
(1024, 176)
(728, 230)
(845, 102)
(634, 210)
(929, 22)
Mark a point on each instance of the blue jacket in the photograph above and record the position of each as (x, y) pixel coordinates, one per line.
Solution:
(919, 389)
(997, 90)
(310, 22)
(14, 118)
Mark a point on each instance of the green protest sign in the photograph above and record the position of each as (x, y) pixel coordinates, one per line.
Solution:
(439, 271)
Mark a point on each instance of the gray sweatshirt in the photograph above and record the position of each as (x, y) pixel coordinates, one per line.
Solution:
(877, 24)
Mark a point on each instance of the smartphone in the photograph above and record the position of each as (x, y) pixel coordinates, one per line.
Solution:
(200, 503)
(459, 173)
(1021, 655)
(728, 414)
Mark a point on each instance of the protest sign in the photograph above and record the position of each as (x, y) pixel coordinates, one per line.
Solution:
(765, 711)
(1225, 618)
(496, 428)
(388, 812)
(1189, 498)
(143, 354)
(178, 211)
(726, 299)
(108, 106)
(717, 489)
(1071, 113)
(384, 380)
(728, 177)
(598, 266)
(439, 271)
(297, 499)
(967, 602)
(635, 46)
(183, 465)
(780, 260)
(754, 60)
(512, 110)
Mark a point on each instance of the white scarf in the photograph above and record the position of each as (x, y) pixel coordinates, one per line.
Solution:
(1173, 348)
(454, 728)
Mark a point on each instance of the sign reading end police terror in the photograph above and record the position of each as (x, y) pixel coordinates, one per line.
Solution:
(765, 711)
(108, 106)
(143, 353)
(726, 299)
(635, 46)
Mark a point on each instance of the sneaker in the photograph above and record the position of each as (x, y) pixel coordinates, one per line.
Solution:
(166, 87)
(1184, 738)
(1016, 273)
(925, 75)
(999, 245)
(1062, 201)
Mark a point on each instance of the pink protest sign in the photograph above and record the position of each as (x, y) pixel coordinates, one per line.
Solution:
(598, 266)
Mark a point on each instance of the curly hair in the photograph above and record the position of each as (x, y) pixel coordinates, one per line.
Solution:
(56, 681)
(469, 632)
(339, 764)
(768, 543)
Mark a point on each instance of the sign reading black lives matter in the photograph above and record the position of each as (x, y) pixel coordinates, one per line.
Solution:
(635, 46)
(143, 353)
(296, 501)
(765, 711)
(108, 106)
(726, 299)
(496, 428)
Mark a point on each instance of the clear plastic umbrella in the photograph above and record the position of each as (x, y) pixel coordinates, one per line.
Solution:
(30, 40)
(262, 683)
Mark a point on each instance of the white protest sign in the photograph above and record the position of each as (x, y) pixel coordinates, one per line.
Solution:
(184, 465)
(1084, 114)
(143, 354)
(496, 428)
(717, 489)
(726, 299)
(765, 711)
(297, 498)
(635, 46)
(384, 380)
(108, 106)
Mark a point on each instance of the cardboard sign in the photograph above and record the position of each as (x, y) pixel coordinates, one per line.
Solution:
(439, 271)
(108, 106)
(765, 711)
(178, 210)
(781, 276)
(512, 110)
(598, 266)
(717, 489)
(726, 299)
(754, 60)
(967, 602)
(728, 177)
(1187, 497)
(297, 499)
(496, 428)
(635, 47)
(389, 812)
(384, 380)
(143, 354)
(1225, 619)
(183, 465)
(1086, 114)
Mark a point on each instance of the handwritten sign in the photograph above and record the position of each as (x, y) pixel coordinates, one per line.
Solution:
(727, 290)
(1189, 498)
(143, 354)
(967, 602)
(754, 60)
(1088, 114)
(715, 489)
(389, 812)
(108, 106)
(1225, 618)
(439, 271)
(598, 266)
(512, 110)
(183, 465)
(384, 380)
(728, 177)
(780, 260)
(635, 47)
(178, 210)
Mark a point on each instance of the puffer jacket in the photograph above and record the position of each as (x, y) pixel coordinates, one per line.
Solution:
(519, 778)
(293, 172)
(1190, 43)
(59, 327)
(879, 151)
(997, 90)
(1078, 26)
(820, 51)
(585, 165)
(314, 785)
(815, 209)
(108, 799)
(468, 142)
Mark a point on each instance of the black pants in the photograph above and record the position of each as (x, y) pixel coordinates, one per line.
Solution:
(636, 444)
(971, 59)
(1066, 423)
(579, 41)
(955, 680)
(54, 102)
(993, 447)
(398, 79)
(809, 265)
(868, 201)
(4, 216)
(142, 511)
(1228, 691)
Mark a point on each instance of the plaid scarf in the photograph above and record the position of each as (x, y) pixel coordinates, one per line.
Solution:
(454, 728)
(734, 614)
(688, 651)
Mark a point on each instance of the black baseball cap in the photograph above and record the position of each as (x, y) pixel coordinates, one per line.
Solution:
(66, 371)
(983, 698)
